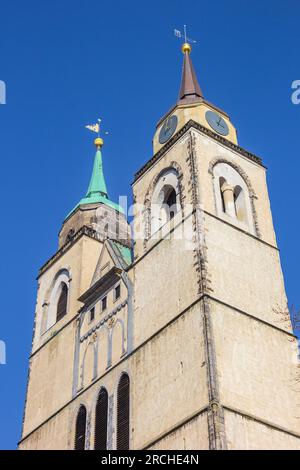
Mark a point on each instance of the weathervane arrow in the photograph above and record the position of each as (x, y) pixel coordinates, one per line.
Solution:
(94, 127)
(183, 35)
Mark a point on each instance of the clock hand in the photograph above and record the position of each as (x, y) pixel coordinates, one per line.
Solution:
(219, 123)
(167, 124)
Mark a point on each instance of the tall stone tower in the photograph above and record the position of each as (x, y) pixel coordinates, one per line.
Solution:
(183, 343)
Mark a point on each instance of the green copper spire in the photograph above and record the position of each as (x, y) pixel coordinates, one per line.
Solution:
(97, 186)
(97, 192)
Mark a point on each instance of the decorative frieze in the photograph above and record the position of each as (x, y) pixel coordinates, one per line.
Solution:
(104, 320)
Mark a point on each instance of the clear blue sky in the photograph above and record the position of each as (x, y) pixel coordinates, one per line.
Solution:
(65, 62)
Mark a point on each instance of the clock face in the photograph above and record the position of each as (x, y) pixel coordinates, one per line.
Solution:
(168, 129)
(217, 123)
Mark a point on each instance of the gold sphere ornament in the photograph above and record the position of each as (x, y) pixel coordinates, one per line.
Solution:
(98, 142)
(186, 47)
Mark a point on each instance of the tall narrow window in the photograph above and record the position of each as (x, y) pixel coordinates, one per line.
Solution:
(117, 293)
(221, 182)
(103, 303)
(62, 302)
(101, 421)
(80, 429)
(92, 314)
(170, 201)
(123, 414)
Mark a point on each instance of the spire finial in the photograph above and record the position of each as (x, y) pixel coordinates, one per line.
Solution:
(190, 90)
(98, 142)
(97, 191)
(186, 46)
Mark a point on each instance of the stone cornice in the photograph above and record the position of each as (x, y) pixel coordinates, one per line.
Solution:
(205, 131)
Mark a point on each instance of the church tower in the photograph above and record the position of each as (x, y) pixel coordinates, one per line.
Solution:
(182, 342)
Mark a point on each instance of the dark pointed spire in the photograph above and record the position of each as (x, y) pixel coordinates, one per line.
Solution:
(190, 90)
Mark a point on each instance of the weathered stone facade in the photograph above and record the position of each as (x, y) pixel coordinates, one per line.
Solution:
(195, 321)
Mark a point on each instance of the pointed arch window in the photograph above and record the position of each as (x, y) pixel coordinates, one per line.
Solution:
(101, 420)
(80, 431)
(62, 302)
(123, 413)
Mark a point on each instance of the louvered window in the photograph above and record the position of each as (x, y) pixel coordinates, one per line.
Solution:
(101, 421)
(62, 302)
(80, 429)
(123, 414)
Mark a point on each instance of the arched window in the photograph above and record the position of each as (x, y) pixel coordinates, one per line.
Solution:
(123, 413)
(232, 196)
(62, 302)
(101, 421)
(165, 199)
(56, 302)
(80, 429)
